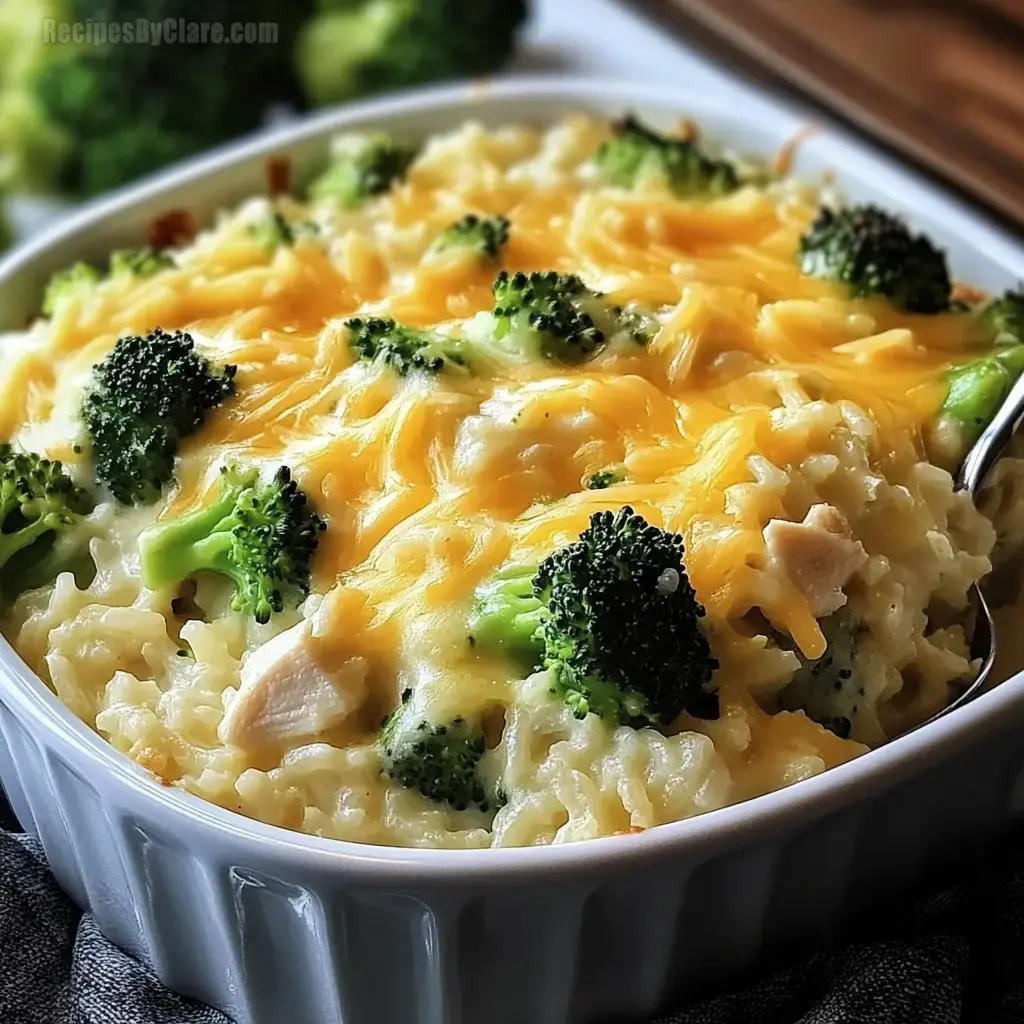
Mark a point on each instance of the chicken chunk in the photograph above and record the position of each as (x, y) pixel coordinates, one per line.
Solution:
(287, 694)
(818, 555)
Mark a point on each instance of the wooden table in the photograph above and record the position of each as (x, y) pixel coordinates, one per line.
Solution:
(940, 80)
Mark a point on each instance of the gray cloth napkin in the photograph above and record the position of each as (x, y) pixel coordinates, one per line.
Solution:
(956, 959)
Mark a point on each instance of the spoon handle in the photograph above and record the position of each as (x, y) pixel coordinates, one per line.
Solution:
(985, 452)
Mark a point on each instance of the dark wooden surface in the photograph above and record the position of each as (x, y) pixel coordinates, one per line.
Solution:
(940, 80)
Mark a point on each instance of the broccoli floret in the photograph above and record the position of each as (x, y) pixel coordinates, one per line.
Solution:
(143, 262)
(404, 348)
(977, 390)
(262, 536)
(874, 253)
(79, 278)
(440, 761)
(615, 620)
(361, 166)
(483, 236)
(625, 638)
(39, 505)
(828, 689)
(145, 396)
(276, 231)
(636, 153)
(364, 46)
(32, 148)
(75, 280)
(273, 231)
(553, 315)
(1003, 318)
(129, 108)
(604, 478)
(507, 616)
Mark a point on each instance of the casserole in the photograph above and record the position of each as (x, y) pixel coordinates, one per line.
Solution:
(271, 926)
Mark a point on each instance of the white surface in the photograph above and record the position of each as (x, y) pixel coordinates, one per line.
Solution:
(274, 926)
(607, 39)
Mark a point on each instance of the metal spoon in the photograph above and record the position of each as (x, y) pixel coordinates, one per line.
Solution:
(973, 472)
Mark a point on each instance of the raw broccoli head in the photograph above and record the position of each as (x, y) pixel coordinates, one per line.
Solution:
(262, 536)
(361, 166)
(6, 232)
(874, 253)
(32, 148)
(145, 396)
(508, 616)
(364, 46)
(636, 153)
(75, 280)
(129, 109)
(440, 761)
(143, 262)
(38, 503)
(1003, 318)
(405, 349)
(550, 312)
(624, 639)
(484, 236)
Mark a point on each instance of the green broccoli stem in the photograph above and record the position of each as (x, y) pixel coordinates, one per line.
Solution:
(977, 389)
(201, 541)
(25, 536)
(508, 617)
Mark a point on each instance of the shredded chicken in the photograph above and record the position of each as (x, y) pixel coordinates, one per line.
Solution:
(818, 555)
(286, 694)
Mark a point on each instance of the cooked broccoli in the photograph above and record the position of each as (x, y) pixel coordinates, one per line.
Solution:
(75, 280)
(130, 109)
(440, 761)
(80, 277)
(507, 616)
(484, 236)
(615, 620)
(39, 505)
(637, 153)
(144, 262)
(828, 689)
(361, 166)
(262, 536)
(357, 47)
(605, 478)
(404, 348)
(273, 231)
(145, 396)
(555, 316)
(1003, 318)
(977, 389)
(874, 253)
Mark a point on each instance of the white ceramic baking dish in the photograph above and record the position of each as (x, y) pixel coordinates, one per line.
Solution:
(280, 928)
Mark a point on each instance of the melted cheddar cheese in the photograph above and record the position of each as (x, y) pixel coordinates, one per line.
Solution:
(762, 394)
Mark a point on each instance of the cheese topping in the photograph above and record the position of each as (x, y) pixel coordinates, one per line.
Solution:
(762, 398)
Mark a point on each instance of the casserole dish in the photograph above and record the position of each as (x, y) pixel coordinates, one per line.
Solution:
(269, 925)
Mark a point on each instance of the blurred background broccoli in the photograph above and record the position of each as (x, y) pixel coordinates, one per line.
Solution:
(78, 120)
